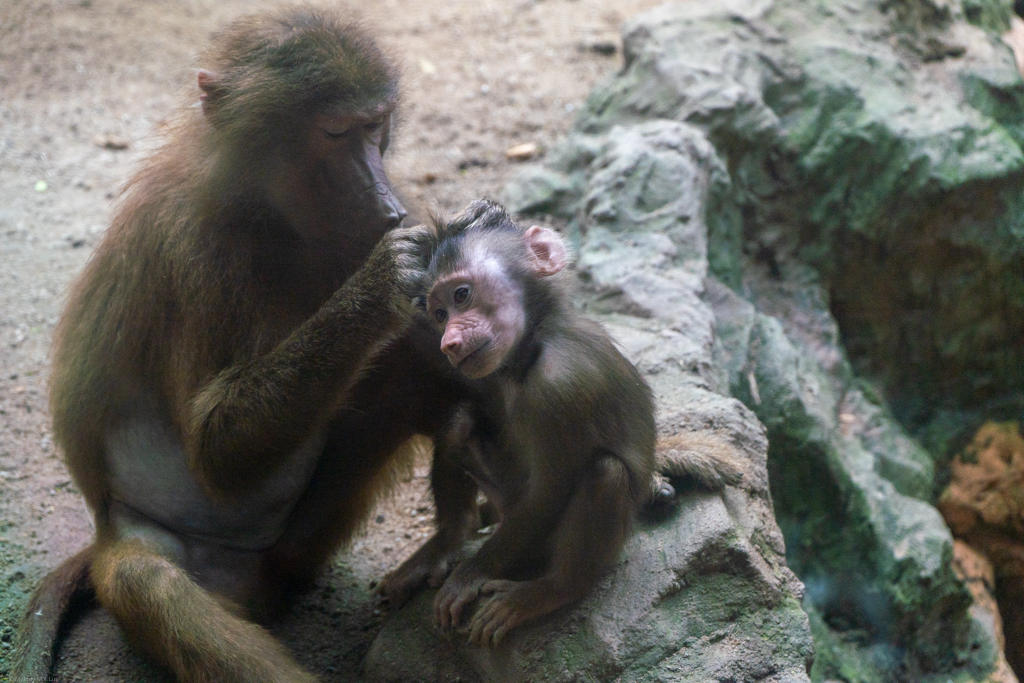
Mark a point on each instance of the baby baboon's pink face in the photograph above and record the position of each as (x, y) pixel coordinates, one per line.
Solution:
(480, 306)
(481, 309)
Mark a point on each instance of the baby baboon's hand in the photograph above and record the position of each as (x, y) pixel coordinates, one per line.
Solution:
(429, 565)
(456, 594)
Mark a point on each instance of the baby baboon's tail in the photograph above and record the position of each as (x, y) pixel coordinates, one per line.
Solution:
(704, 456)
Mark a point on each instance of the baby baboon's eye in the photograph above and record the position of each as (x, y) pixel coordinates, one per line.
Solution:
(461, 295)
(440, 315)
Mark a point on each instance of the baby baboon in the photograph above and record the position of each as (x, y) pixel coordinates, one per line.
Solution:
(562, 442)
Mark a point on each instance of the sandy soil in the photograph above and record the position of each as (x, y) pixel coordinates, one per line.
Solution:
(85, 86)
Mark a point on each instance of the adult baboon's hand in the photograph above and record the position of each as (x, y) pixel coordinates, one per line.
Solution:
(400, 257)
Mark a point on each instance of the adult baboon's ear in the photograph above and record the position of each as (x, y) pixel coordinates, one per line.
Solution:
(547, 250)
(210, 84)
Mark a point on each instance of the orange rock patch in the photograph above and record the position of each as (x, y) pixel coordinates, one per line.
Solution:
(984, 507)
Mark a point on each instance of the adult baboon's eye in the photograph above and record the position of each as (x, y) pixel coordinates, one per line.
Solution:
(461, 295)
(440, 315)
(374, 125)
(336, 133)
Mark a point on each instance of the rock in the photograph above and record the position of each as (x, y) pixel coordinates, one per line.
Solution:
(993, 15)
(880, 592)
(522, 152)
(977, 573)
(705, 594)
(899, 183)
(987, 487)
(816, 209)
(984, 506)
(603, 46)
(677, 608)
(540, 192)
(1014, 38)
(111, 142)
(864, 208)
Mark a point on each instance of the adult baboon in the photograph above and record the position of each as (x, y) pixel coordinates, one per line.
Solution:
(212, 382)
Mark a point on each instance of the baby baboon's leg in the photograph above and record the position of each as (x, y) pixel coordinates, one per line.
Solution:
(588, 539)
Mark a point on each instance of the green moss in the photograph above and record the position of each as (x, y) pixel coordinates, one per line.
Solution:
(991, 15)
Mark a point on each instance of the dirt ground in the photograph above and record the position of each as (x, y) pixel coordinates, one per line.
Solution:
(85, 86)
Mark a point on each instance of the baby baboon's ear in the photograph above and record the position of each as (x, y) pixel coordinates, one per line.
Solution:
(547, 251)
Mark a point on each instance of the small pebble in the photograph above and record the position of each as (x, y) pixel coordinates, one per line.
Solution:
(522, 152)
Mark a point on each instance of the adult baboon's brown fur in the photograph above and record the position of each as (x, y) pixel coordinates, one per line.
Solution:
(221, 387)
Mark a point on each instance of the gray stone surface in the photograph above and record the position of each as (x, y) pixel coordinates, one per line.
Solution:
(878, 142)
(706, 594)
(811, 213)
(883, 599)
